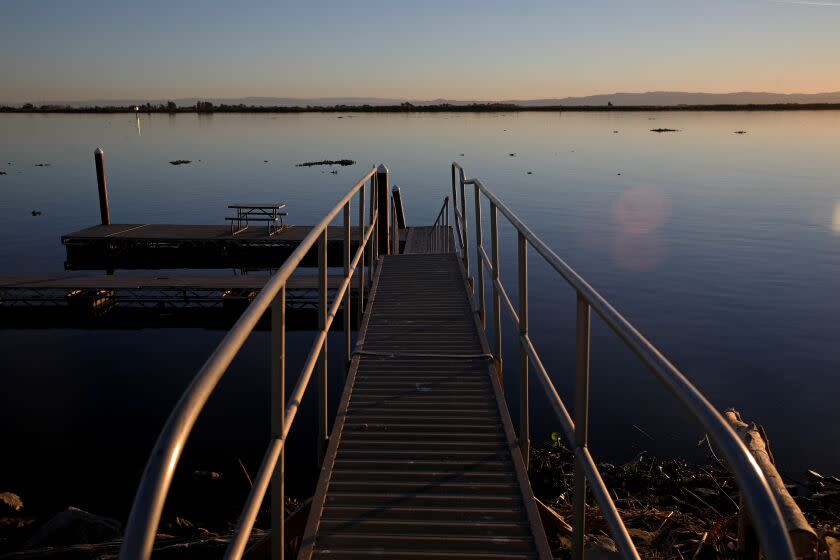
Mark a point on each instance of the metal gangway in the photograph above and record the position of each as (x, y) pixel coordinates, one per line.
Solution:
(423, 460)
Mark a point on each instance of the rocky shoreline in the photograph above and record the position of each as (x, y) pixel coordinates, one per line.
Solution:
(672, 509)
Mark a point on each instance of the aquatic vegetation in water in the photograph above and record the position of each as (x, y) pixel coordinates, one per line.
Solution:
(342, 162)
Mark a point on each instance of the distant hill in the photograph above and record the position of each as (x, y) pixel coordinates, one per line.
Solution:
(651, 98)
(671, 98)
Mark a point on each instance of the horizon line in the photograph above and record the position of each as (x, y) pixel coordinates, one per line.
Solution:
(426, 100)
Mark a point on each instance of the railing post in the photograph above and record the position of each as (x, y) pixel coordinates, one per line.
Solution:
(104, 211)
(384, 209)
(524, 419)
(465, 243)
(395, 232)
(445, 233)
(374, 240)
(347, 313)
(278, 422)
(455, 205)
(360, 297)
(479, 262)
(323, 303)
(581, 422)
(497, 300)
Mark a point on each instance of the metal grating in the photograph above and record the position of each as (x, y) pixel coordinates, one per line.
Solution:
(422, 461)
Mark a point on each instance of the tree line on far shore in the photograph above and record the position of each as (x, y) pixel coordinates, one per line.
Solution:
(206, 107)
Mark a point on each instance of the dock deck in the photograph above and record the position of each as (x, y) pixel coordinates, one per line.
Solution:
(423, 461)
(191, 246)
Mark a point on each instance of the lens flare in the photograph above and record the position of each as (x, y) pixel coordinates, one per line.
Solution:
(835, 219)
(639, 214)
(641, 210)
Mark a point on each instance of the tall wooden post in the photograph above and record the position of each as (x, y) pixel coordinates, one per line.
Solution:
(383, 210)
(104, 212)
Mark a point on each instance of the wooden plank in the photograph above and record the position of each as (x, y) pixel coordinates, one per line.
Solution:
(388, 453)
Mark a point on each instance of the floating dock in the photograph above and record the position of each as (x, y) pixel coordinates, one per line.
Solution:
(159, 246)
(117, 301)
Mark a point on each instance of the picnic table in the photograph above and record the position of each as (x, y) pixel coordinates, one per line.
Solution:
(246, 213)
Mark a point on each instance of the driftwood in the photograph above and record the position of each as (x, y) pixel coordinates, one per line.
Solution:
(802, 535)
(551, 520)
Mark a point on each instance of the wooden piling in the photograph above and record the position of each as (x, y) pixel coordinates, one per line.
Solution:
(104, 211)
(383, 211)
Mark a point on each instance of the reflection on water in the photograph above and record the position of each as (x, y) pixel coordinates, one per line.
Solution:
(723, 249)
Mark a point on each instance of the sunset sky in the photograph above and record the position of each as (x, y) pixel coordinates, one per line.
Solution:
(476, 49)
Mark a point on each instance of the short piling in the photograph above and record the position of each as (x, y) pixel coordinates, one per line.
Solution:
(399, 207)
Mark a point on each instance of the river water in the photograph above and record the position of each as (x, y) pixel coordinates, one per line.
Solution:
(722, 248)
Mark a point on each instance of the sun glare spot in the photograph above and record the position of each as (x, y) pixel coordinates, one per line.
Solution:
(641, 210)
(639, 214)
(835, 219)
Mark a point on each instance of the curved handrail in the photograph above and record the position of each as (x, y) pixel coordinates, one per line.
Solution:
(157, 476)
(760, 502)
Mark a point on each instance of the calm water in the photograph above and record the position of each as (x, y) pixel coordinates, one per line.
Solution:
(724, 249)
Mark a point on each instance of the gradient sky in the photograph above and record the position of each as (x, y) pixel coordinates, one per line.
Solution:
(471, 49)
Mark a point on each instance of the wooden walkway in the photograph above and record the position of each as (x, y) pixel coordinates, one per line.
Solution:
(422, 460)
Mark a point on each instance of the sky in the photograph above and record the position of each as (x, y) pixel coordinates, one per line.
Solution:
(455, 49)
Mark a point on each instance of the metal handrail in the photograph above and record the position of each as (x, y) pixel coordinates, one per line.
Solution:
(438, 237)
(157, 476)
(759, 500)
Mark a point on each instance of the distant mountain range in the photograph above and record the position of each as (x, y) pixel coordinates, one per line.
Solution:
(671, 98)
(651, 98)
